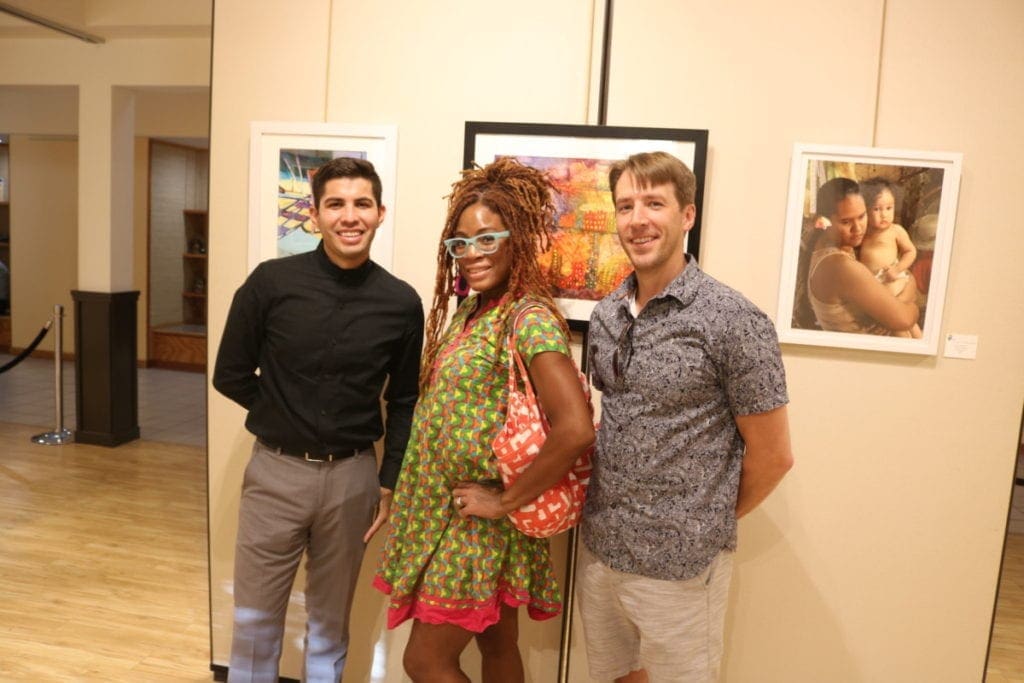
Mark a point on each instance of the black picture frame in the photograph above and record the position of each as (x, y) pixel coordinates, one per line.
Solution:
(591, 263)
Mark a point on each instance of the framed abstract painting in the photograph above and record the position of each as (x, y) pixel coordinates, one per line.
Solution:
(586, 262)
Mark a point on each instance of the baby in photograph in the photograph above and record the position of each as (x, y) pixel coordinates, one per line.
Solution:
(887, 249)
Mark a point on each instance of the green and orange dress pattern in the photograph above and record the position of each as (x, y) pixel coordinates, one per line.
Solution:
(436, 566)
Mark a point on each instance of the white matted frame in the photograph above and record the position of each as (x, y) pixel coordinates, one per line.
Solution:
(927, 185)
(586, 261)
(282, 158)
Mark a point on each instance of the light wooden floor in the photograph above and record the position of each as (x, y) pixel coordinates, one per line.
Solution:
(1006, 654)
(103, 561)
(103, 566)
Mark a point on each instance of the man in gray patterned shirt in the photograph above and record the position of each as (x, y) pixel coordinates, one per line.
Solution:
(694, 434)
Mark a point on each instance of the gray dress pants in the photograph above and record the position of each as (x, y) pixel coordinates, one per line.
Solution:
(289, 506)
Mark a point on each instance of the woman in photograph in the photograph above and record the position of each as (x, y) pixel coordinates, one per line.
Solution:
(843, 292)
(453, 562)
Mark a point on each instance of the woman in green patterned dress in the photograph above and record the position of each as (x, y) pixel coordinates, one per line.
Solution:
(452, 561)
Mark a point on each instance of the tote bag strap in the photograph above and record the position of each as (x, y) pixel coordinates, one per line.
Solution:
(515, 361)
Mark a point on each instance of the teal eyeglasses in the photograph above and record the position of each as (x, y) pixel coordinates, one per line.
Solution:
(486, 243)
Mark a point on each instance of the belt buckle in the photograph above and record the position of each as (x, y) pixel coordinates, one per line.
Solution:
(328, 458)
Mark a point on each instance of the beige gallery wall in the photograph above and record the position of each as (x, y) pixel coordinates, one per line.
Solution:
(247, 84)
(42, 122)
(44, 230)
(877, 559)
(443, 64)
(389, 62)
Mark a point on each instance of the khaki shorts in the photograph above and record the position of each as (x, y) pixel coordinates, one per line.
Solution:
(672, 629)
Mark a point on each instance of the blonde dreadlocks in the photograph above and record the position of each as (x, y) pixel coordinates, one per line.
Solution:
(522, 197)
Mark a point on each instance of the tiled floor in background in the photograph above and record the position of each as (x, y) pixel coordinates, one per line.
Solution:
(172, 404)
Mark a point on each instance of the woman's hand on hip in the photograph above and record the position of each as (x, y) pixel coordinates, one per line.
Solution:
(476, 499)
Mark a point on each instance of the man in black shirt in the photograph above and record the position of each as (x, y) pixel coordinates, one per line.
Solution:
(309, 342)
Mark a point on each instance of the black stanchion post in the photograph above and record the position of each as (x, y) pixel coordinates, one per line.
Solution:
(59, 435)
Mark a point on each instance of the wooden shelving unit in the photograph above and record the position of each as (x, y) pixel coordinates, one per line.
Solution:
(183, 347)
(194, 264)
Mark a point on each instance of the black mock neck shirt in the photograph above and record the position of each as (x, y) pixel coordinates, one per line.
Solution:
(307, 349)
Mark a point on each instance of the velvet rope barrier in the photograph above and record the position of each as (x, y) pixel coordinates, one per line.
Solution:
(28, 349)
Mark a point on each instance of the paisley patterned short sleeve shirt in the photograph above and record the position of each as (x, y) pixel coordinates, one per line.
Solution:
(666, 474)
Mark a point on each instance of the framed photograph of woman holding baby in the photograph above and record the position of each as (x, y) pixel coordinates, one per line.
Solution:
(869, 233)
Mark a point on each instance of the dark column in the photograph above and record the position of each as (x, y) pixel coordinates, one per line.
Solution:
(106, 374)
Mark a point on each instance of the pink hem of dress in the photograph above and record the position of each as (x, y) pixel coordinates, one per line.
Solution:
(475, 619)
